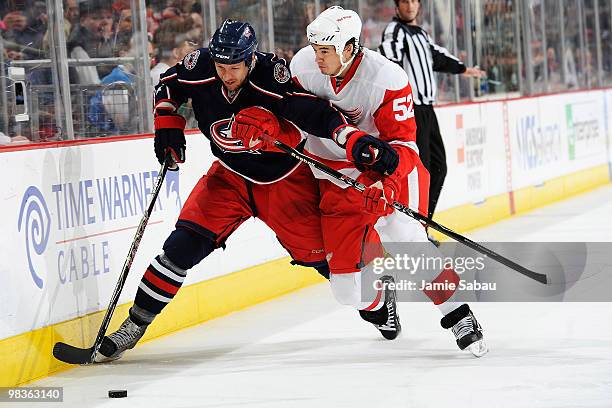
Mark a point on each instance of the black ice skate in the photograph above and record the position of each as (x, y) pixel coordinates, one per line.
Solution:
(386, 319)
(466, 329)
(114, 345)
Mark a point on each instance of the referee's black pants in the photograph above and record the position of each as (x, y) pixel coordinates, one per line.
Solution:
(431, 151)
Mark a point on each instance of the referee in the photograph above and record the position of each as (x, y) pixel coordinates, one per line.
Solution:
(408, 45)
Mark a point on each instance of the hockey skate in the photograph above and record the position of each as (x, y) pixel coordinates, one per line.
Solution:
(466, 329)
(386, 319)
(114, 345)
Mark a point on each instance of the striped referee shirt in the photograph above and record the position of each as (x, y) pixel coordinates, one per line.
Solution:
(413, 49)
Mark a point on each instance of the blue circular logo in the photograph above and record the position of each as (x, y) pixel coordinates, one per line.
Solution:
(35, 221)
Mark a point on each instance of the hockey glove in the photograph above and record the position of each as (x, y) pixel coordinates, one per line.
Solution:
(170, 136)
(366, 151)
(380, 192)
(252, 125)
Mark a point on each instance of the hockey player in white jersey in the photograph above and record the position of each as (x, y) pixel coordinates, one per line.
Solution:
(376, 96)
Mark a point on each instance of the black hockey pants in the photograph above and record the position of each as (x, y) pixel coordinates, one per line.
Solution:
(431, 151)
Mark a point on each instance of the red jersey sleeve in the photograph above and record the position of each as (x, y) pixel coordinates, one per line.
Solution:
(395, 122)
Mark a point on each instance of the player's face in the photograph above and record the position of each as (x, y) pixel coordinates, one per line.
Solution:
(327, 59)
(232, 75)
(408, 9)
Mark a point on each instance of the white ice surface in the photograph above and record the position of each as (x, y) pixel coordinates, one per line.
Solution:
(304, 350)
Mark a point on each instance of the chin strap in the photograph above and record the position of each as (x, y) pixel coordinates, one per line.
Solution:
(343, 65)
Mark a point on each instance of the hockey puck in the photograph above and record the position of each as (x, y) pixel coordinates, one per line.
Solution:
(117, 394)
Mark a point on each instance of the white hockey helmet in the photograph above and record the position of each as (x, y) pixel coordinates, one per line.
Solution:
(335, 26)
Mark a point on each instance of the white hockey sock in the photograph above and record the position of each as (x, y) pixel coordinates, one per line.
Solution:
(448, 307)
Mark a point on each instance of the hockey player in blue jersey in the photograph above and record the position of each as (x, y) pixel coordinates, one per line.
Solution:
(247, 180)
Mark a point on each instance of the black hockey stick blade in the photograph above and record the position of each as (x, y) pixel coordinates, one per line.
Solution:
(539, 277)
(73, 355)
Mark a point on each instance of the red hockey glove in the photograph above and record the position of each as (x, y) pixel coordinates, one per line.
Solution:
(366, 151)
(251, 124)
(170, 136)
(380, 192)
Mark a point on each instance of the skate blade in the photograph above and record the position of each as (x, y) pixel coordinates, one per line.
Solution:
(478, 348)
(390, 334)
(101, 358)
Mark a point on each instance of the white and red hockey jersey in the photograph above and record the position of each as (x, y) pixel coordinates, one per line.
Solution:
(375, 95)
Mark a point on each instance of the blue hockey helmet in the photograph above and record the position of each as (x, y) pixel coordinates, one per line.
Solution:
(233, 42)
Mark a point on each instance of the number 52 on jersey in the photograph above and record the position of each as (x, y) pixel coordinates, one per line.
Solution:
(403, 108)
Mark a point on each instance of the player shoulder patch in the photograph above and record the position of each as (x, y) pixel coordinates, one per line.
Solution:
(191, 59)
(281, 73)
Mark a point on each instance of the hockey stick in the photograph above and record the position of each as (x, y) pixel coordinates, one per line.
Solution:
(75, 355)
(417, 216)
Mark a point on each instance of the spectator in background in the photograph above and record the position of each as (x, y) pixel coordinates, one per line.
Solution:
(152, 24)
(171, 12)
(494, 74)
(106, 25)
(184, 5)
(109, 109)
(569, 67)
(554, 74)
(13, 23)
(71, 19)
(120, 5)
(25, 31)
(71, 12)
(173, 42)
(87, 41)
(43, 75)
(123, 28)
(198, 25)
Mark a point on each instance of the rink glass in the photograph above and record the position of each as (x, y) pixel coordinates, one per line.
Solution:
(526, 47)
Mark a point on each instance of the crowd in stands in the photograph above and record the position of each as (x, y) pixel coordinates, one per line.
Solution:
(97, 29)
(102, 92)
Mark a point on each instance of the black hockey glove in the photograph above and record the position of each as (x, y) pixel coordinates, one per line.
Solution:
(170, 136)
(367, 151)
